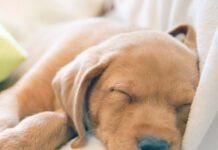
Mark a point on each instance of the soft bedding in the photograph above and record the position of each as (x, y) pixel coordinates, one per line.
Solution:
(160, 15)
(92, 144)
(202, 14)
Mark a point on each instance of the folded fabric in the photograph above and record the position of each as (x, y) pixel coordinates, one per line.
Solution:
(11, 54)
(92, 143)
(205, 105)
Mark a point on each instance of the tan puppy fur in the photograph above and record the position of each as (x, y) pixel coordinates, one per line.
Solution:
(145, 83)
(33, 93)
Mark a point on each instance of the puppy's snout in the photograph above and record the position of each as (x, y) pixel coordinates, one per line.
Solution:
(151, 143)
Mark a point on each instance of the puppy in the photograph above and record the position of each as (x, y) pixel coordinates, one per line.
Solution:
(133, 90)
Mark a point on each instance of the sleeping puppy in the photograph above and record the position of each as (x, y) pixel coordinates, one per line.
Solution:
(133, 88)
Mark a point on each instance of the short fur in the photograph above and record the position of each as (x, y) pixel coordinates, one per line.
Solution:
(139, 81)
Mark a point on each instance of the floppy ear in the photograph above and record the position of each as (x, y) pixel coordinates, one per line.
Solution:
(186, 34)
(70, 86)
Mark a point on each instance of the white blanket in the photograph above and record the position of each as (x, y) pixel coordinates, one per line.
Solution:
(23, 17)
(92, 144)
(155, 14)
(203, 15)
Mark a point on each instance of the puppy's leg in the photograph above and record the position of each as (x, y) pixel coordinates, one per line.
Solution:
(33, 93)
(43, 131)
(9, 115)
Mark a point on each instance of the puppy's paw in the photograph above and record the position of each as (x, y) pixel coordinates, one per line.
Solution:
(9, 116)
(46, 130)
(7, 122)
(10, 140)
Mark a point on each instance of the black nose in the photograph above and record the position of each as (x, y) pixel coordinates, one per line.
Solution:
(150, 143)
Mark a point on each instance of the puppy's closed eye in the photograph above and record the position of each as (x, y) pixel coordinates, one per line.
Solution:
(116, 89)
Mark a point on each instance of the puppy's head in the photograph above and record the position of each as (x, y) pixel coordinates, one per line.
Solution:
(138, 88)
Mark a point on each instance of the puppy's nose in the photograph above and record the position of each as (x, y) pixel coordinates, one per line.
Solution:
(151, 143)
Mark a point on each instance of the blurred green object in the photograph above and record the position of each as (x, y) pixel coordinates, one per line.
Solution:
(11, 54)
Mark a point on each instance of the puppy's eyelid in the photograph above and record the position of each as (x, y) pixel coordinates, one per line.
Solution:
(114, 89)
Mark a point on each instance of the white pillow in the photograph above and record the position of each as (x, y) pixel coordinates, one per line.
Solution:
(92, 144)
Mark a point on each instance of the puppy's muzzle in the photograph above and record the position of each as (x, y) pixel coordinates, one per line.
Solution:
(151, 143)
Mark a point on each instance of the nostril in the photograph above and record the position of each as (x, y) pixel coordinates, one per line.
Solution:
(150, 143)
